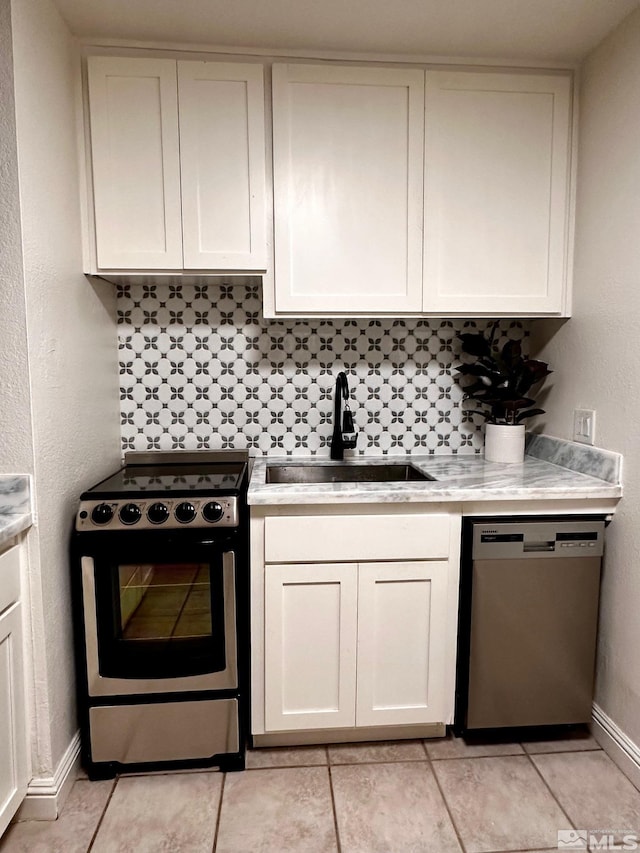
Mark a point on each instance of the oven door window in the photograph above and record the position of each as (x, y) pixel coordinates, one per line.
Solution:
(160, 618)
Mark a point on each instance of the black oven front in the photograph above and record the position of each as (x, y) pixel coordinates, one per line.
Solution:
(161, 612)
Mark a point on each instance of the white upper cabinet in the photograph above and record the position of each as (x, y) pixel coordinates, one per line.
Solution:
(136, 163)
(497, 169)
(396, 191)
(222, 165)
(387, 204)
(348, 151)
(178, 157)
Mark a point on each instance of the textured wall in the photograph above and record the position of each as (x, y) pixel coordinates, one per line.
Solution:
(72, 352)
(200, 368)
(600, 342)
(16, 450)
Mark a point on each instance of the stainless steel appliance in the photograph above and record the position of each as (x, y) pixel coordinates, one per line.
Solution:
(160, 570)
(528, 621)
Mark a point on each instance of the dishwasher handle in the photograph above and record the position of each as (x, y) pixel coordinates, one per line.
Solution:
(547, 545)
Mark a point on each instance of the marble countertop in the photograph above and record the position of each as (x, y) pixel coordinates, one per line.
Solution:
(15, 506)
(457, 478)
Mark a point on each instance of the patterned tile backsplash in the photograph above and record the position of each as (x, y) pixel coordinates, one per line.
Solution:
(200, 368)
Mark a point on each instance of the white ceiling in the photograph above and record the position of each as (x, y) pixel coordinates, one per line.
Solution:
(547, 30)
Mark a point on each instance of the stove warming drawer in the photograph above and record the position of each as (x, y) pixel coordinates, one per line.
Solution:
(164, 731)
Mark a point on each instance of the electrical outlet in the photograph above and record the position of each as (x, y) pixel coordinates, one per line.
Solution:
(584, 425)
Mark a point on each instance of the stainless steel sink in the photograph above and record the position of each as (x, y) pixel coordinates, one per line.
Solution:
(344, 474)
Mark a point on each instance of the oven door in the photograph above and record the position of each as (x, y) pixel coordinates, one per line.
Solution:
(160, 615)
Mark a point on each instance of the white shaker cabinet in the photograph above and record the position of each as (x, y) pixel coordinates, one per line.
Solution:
(177, 154)
(497, 192)
(358, 615)
(402, 618)
(222, 155)
(135, 154)
(347, 149)
(354, 644)
(387, 203)
(14, 767)
(310, 646)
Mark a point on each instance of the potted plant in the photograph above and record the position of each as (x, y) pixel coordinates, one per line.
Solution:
(501, 381)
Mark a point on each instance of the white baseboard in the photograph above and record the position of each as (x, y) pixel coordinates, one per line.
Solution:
(46, 795)
(618, 746)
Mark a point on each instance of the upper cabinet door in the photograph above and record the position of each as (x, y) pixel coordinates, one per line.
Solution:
(222, 152)
(136, 163)
(348, 151)
(497, 175)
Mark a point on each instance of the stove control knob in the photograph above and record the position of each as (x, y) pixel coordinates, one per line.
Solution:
(157, 513)
(212, 511)
(185, 512)
(102, 514)
(130, 514)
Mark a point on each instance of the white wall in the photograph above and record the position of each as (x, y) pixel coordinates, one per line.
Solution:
(16, 448)
(596, 355)
(72, 353)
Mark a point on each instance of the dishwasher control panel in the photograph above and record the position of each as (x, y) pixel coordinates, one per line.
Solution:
(535, 539)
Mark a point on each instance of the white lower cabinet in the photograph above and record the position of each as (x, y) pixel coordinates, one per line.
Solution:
(310, 646)
(361, 643)
(401, 629)
(13, 741)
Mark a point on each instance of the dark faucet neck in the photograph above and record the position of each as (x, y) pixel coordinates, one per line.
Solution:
(341, 392)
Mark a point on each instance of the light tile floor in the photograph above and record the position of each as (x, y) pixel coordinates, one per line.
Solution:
(435, 796)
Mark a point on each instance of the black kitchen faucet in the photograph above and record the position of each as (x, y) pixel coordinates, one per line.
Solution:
(344, 433)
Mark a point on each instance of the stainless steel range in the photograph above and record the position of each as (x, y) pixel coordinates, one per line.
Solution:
(160, 569)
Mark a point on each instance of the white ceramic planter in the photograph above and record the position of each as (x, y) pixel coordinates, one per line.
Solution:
(504, 443)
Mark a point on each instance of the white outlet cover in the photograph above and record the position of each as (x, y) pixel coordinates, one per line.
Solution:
(584, 425)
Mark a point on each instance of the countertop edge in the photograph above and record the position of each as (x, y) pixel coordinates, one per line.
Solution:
(12, 525)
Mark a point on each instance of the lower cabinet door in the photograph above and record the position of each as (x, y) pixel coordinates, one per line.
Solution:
(401, 643)
(13, 742)
(310, 646)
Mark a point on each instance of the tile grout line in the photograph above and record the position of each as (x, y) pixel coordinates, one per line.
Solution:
(103, 813)
(444, 800)
(548, 787)
(219, 815)
(333, 804)
(563, 751)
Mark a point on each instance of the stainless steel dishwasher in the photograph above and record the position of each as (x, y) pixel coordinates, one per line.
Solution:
(528, 622)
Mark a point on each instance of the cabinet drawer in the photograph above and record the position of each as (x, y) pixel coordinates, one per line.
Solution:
(358, 537)
(9, 578)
